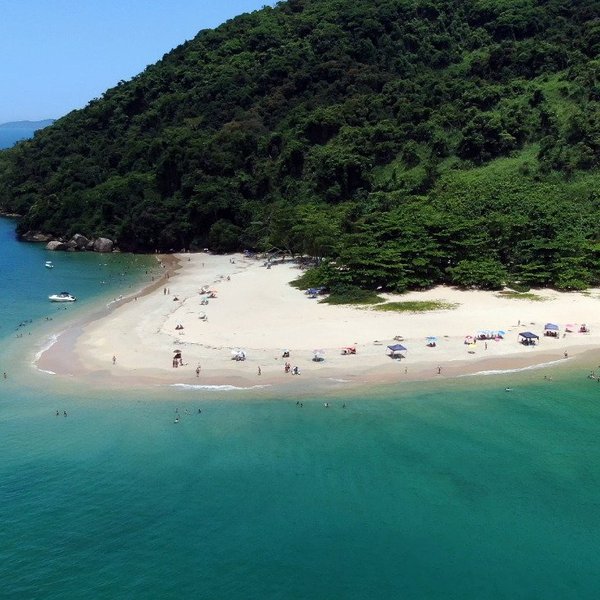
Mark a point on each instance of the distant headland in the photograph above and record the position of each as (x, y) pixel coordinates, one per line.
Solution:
(15, 131)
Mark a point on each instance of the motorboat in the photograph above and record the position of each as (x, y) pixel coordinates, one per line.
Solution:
(62, 297)
(49, 264)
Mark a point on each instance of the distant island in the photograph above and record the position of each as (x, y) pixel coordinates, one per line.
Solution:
(12, 132)
(399, 143)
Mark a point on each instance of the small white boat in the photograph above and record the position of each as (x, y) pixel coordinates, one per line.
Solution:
(49, 264)
(62, 297)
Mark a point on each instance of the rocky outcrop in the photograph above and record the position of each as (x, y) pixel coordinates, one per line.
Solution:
(56, 245)
(103, 245)
(36, 236)
(79, 242)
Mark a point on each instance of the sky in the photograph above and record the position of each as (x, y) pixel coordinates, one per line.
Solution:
(57, 55)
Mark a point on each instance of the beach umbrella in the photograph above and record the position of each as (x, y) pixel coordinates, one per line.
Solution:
(431, 338)
(176, 350)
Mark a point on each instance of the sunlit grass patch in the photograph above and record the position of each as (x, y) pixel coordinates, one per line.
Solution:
(521, 296)
(415, 306)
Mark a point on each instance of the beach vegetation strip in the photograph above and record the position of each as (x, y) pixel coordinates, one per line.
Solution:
(352, 295)
(417, 306)
(514, 295)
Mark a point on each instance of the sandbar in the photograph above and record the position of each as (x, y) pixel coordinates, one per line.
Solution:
(255, 310)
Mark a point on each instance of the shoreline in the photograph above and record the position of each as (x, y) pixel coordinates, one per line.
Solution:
(255, 309)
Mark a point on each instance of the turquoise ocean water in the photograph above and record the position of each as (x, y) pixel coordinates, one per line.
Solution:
(448, 490)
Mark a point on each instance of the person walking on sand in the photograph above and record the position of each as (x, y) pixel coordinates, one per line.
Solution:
(259, 371)
(114, 360)
(439, 370)
(198, 371)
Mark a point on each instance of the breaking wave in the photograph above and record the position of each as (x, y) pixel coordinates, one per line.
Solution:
(516, 370)
(51, 341)
(217, 388)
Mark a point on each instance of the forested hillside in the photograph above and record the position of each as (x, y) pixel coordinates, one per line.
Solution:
(406, 142)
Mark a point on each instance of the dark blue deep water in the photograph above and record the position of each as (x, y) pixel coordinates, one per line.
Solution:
(463, 492)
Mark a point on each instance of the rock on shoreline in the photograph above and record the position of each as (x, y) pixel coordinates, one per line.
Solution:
(77, 243)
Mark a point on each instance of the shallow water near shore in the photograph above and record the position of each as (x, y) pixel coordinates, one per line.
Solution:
(434, 490)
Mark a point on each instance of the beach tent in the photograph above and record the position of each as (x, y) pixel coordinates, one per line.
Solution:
(528, 338)
(551, 327)
(396, 350)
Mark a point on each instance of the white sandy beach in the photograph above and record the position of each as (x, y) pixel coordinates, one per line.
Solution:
(257, 311)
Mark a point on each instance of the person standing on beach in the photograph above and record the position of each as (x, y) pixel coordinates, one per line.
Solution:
(439, 370)
(259, 371)
(114, 360)
(198, 371)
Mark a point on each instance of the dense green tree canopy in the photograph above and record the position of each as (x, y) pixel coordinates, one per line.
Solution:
(402, 143)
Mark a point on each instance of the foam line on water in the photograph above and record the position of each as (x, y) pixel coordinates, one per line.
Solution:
(217, 388)
(516, 370)
(51, 341)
